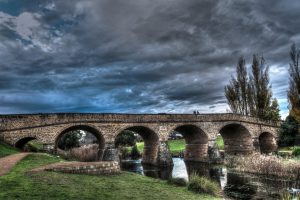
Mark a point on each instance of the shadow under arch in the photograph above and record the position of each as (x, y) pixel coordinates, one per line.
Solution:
(196, 148)
(20, 144)
(267, 142)
(151, 143)
(237, 139)
(94, 131)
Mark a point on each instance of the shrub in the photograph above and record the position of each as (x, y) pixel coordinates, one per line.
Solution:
(124, 151)
(177, 181)
(296, 152)
(135, 154)
(70, 140)
(125, 138)
(202, 184)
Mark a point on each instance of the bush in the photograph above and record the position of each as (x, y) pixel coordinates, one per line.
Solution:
(125, 154)
(125, 138)
(202, 184)
(135, 154)
(177, 181)
(296, 152)
(70, 140)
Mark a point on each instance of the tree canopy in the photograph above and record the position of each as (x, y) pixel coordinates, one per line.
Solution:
(251, 94)
(294, 84)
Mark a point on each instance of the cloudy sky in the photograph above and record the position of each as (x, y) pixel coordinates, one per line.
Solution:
(138, 56)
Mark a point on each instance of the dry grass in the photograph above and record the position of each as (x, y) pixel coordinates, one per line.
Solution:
(87, 153)
(266, 165)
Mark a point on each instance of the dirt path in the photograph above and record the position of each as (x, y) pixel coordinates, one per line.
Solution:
(8, 162)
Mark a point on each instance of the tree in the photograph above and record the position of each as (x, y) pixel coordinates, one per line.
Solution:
(251, 94)
(125, 138)
(273, 111)
(294, 85)
(288, 131)
(70, 140)
(236, 91)
(259, 88)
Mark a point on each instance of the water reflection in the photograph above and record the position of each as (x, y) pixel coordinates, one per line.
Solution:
(234, 185)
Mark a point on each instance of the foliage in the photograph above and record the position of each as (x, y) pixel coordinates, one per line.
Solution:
(273, 111)
(135, 154)
(220, 142)
(125, 138)
(294, 86)
(6, 150)
(296, 152)
(288, 131)
(251, 94)
(236, 91)
(202, 184)
(70, 140)
(20, 184)
(125, 153)
(177, 181)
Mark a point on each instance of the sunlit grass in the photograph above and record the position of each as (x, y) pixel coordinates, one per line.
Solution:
(176, 146)
(19, 184)
(6, 150)
(220, 142)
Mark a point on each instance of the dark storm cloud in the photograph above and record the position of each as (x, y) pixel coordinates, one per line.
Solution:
(137, 56)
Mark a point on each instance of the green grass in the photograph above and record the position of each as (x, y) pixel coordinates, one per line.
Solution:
(6, 150)
(50, 185)
(35, 146)
(202, 184)
(288, 149)
(220, 142)
(176, 146)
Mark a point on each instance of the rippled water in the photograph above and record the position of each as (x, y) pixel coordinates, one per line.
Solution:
(234, 185)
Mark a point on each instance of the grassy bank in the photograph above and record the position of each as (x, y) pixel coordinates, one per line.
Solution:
(176, 146)
(50, 185)
(6, 150)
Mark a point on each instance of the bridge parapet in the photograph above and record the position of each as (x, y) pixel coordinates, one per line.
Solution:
(9, 122)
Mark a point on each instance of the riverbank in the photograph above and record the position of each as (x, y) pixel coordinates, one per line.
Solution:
(6, 150)
(21, 184)
(271, 166)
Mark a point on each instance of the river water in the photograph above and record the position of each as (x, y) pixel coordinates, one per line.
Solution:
(234, 185)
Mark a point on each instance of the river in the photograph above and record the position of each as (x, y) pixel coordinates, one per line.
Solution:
(234, 185)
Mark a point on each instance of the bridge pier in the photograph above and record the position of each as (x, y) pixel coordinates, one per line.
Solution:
(213, 152)
(110, 153)
(164, 155)
(196, 152)
(256, 145)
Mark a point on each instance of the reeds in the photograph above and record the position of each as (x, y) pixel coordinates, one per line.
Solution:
(265, 165)
(86, 153)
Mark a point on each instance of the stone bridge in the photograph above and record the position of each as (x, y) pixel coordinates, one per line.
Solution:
(241, 134)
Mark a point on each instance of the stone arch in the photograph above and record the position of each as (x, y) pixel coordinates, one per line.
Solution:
(20, 144)
(196, 148)
(88, 128)
(237, 139)
(151, 143)
(267, 142)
